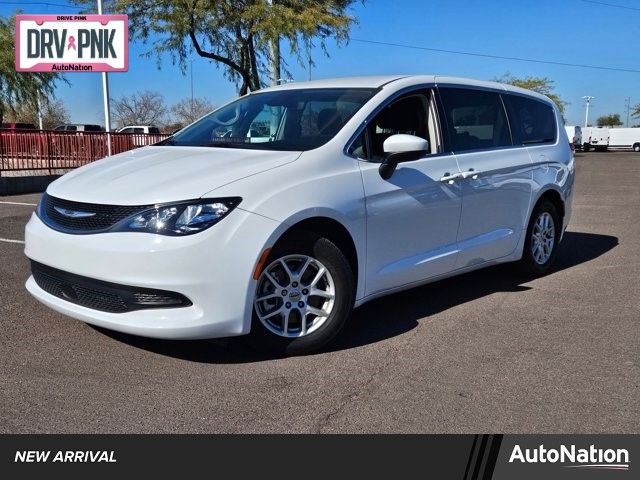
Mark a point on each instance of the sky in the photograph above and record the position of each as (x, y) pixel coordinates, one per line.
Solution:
(604, 34)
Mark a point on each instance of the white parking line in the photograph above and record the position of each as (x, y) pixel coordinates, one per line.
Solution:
(19, 203)
(9, 240)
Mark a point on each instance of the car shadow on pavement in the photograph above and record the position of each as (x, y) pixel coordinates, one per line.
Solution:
(395, 314)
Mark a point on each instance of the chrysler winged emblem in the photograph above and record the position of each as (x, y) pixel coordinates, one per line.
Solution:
(73, 213)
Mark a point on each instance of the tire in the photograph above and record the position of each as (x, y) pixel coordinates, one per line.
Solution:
(539, 256)
(586, 147)
(636, 147)
(288, 332)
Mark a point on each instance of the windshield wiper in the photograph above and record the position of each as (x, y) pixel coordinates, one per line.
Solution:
(227, 144)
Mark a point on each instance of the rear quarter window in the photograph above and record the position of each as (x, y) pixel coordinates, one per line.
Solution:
(532, 121)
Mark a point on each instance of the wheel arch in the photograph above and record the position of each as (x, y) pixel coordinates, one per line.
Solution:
(555, 197)
(331, 229)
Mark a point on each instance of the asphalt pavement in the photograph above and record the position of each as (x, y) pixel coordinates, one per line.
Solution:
(489, 351)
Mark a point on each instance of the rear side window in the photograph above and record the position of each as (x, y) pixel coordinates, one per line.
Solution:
(475, 119)
(532, 121)
(71, 128)
(154, 130)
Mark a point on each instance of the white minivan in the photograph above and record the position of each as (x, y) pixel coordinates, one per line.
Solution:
(367, 186)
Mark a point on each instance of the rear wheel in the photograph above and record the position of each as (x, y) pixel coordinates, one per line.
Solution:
(303, 297)
(586, 147)
(636, 147)
(543, 235)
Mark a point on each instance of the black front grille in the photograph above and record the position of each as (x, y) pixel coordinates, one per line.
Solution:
(103, 296)
(78, 217)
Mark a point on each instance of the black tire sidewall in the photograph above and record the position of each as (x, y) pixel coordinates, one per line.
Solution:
(325, 251)
(528, 262)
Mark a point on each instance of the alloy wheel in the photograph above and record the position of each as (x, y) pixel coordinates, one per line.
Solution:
(295, 296)
(543, 238)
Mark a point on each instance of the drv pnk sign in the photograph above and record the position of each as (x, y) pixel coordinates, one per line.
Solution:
(72, 43)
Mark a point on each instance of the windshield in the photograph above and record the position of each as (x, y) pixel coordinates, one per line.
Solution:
(294, 119)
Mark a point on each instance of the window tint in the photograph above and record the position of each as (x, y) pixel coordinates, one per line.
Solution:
(475, 119)
(534, 121)
(154, 130)
(71, 128)
(138, 130)
(406, 115)
(92, 128)
(359, 146)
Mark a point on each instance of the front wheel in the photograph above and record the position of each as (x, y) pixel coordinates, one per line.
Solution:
(541, 243)
(636, 147)
(303, 297)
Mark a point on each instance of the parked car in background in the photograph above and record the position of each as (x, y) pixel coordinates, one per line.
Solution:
(368, 186)
(574, 132)
(145, 129)
(18, 126)
(596, 138)
(625, 138)
(141, 134)
(78, 127)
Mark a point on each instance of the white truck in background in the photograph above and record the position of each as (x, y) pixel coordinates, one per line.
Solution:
(596, 138)
(575, 135)
(625, 138)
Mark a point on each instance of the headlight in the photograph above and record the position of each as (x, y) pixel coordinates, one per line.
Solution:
(181, 218)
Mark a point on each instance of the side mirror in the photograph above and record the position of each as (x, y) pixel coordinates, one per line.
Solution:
(401, 148)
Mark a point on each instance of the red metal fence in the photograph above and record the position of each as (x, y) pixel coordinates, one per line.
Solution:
(48, 152)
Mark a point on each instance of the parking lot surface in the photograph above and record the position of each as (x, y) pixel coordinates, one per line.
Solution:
(489, 351)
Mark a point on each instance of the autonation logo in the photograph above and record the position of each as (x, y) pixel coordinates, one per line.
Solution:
(573, 457)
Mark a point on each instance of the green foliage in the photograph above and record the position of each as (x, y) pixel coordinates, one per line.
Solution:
(636, 111)
(235, 33)
(543, 85)
(611, 120)
(17, 89)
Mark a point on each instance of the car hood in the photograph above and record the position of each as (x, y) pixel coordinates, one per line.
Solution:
(163, 174)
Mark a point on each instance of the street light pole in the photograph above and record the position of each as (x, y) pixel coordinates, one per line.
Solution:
(105, 98)
(628, 105)
(588, 99)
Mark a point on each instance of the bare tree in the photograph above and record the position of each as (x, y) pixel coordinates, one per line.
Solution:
(53, 112)
(188, 111)
(142, 108)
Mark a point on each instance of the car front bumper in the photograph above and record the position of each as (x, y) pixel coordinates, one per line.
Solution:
(213, 269)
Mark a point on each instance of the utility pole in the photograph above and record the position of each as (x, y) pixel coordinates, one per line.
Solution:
(105, 98)
(628, 105)
(588, 99)
(309, 55)
(191, 88)
(40, 112)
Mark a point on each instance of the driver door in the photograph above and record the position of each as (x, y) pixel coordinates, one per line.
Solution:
(412, 217)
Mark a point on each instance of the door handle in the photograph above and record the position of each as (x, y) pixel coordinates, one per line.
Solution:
(471, 173)
(448, 178)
